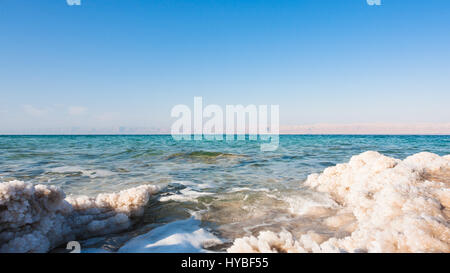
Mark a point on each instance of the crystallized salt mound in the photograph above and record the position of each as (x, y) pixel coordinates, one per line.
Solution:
(37, 218)
(270, 242)
(395, 208)
(129, 202)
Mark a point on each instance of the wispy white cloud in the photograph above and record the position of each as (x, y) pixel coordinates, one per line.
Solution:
(77, 110)
(34, 111)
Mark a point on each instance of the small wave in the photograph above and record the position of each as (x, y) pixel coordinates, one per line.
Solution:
(76, 170)
(194, 185)
(189, 191)
(244, 189)
(203, 156)
(185, 195)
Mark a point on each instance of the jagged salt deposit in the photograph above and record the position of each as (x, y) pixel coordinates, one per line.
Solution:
(390, 205)
(37, 218)
(270, 242)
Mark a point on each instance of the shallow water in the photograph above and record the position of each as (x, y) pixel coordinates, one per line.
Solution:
(232, 187)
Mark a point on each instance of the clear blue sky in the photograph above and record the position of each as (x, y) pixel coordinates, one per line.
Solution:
(128, 62)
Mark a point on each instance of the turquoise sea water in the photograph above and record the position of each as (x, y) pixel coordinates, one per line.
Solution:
(235, 187)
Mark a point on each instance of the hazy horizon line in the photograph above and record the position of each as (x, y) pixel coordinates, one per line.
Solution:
(305, 129)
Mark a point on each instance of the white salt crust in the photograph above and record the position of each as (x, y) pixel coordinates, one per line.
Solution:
(387, 204)
(37, 218)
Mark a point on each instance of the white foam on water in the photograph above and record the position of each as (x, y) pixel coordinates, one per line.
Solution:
(37, 218)
(241, 189)
(185, 195)
(77, 169)
(387, 205)
(180, 236)
(310, 204)
(189, 194)
(199, 186)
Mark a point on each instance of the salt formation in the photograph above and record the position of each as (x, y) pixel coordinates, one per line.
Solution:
(37, 218)
(390, 206)
(180, 236)
(270, 242)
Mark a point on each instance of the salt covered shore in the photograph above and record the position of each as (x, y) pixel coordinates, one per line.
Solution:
(373, 203)
(384, 204)
(37, 218)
